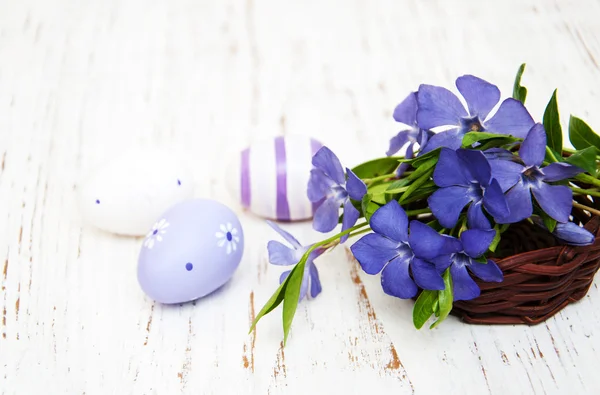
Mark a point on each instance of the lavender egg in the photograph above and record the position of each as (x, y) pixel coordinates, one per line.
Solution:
(271, 176)
(191, 250)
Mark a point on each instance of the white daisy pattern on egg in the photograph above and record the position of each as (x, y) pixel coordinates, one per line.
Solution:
(156, 234)
(228, 237)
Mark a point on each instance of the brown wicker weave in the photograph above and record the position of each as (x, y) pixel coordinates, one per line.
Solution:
(541, 276)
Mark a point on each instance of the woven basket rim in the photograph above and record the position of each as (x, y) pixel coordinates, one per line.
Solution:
(537, 283)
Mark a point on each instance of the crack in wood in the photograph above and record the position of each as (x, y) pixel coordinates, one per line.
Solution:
(4, 322)
(483, 371)
(541, 355)
(18, 305)
(4, 276)
(149, 324)
(394, 366)
(395, 362)
(364, 303)
(280, 368)
(187, 362)
(587, 49)
(554, 344)
(526, 371)
(248, 360)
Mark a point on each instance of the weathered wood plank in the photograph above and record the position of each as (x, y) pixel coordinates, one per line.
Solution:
(81, 81)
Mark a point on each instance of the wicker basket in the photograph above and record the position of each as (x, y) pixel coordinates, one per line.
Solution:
(541, 276)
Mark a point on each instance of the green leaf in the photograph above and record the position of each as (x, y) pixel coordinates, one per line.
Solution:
(368, 206)
(549, 222)
(473, 137)
(499, 142)
(416, 184)
(424, 191)
(422, 167)
(424, 307)
(292, 296)
(376, 167)
(552, 156)
(379, 199)
(481, 259)
(519, 92)
(435, 225)
(396, 189)
(422, 158)
(418, 161)
(496, 239)
(365, 203)
(586, 159)
(554, 138)
(581, 135)
(378, 191)
(271, 304)
(445, 298)
(400, 185)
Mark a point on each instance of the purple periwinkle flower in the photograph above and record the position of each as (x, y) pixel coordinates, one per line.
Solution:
(406, 113)
(392, 250)
(471, 244)
(523, 177)
(569, 233)
(465, 176)
(280, 254)
(328, 184)
(440, 107)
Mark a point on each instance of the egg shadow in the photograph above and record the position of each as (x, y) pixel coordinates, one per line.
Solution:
(202, 299)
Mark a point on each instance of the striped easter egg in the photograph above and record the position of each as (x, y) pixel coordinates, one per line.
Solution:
(270, 177)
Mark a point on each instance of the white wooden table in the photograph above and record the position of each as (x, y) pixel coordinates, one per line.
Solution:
(81, 81)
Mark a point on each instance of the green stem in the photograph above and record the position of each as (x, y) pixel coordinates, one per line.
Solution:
(333, 238)
(551, 154)
(586, 208)
(336, 242)
(379, 178)
(585, 191)
(588, 179)
(360, 232)
(412, 213)
(574, 151)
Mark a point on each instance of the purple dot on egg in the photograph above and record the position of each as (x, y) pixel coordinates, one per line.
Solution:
(97, 201)
(155, 231)
(229, 236)
(189, 266)
(178, 182)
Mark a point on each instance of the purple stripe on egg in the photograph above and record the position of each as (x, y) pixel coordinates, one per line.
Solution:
(283, 207)
(314, 147)
(246, 197)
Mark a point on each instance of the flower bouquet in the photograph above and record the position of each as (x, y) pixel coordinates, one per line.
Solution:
(486, 216)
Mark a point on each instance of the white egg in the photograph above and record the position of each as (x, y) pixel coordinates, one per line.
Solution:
(271, 177)
(127, 195)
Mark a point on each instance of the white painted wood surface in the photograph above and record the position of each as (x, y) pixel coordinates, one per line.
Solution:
(81, 81)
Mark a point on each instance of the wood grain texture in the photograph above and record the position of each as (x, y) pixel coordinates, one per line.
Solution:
(81, 81)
